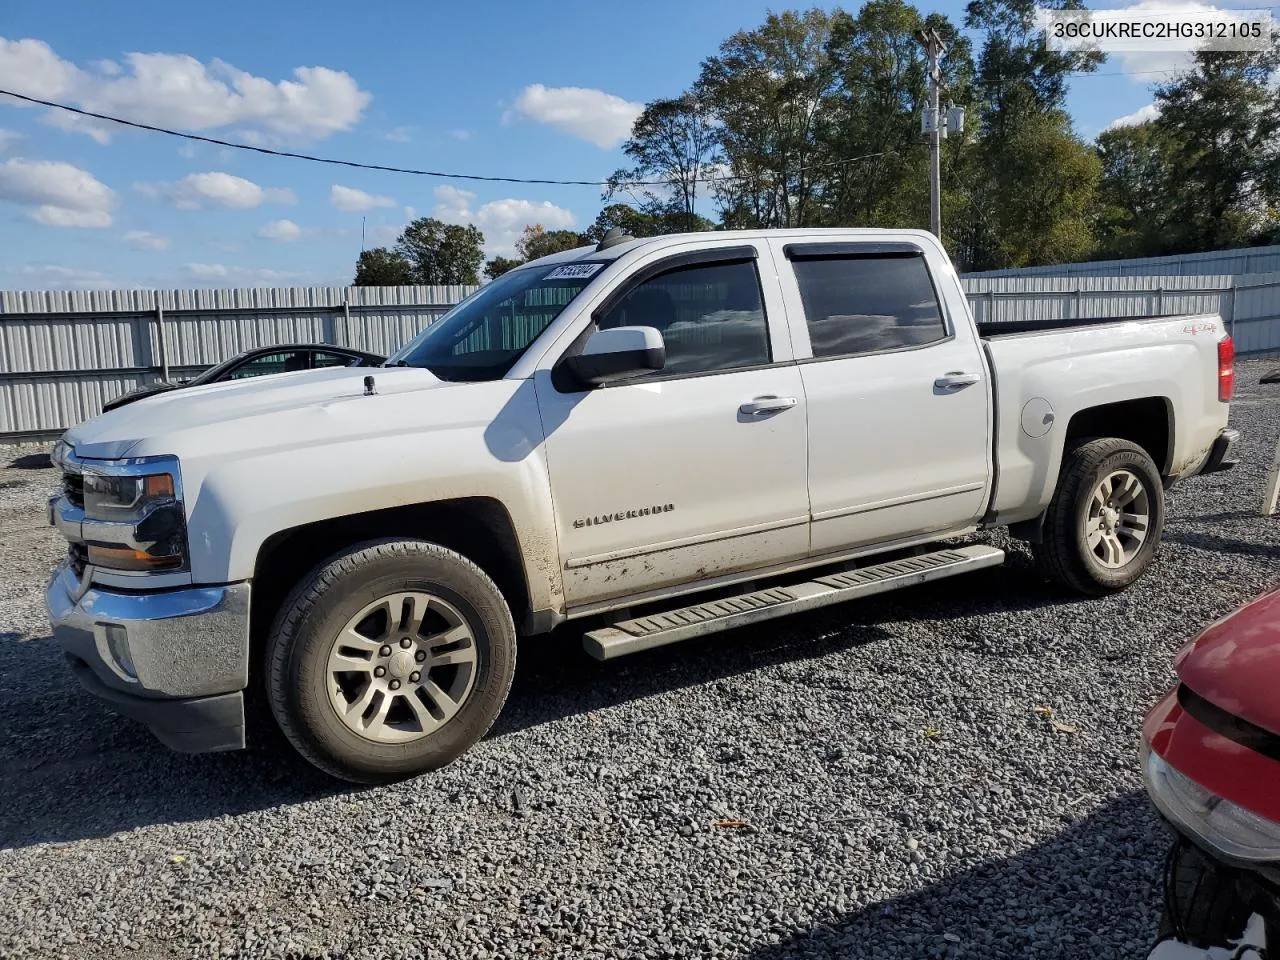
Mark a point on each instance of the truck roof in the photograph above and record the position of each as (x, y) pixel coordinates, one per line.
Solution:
(590, 252)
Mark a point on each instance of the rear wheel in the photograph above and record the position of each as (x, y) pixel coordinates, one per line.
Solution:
(391, 659)
(1103, 525)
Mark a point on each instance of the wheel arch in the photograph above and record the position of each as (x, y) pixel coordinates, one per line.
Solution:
(1146, 421)
(479, 528)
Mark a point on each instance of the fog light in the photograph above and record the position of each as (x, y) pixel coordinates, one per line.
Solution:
(118, 647)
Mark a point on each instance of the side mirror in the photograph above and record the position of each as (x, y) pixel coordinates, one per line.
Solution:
(618, 354)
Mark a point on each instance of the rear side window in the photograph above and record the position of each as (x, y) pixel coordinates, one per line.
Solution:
(858, 305)
(710, 316)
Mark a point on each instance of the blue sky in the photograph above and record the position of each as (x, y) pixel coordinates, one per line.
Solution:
(516, 89)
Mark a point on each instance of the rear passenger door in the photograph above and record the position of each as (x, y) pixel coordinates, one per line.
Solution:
(897, 393)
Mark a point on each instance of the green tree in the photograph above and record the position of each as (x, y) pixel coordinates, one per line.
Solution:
(627, 218)
(875, 111)
(1047, 215)
(537, 241)
(442, 253)
(1133, 217)
(767, 88)
(381, 267)
(1220, 122)
(496, 267)
(637, 223)
(672, 143)
(1028, 184)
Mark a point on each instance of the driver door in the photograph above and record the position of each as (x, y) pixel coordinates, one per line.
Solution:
(696, 471)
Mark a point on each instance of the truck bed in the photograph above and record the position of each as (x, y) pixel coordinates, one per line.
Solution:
(1047, 370)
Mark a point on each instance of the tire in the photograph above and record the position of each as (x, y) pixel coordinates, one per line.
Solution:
(1202, 906)
(349, 722)
(1064, 552)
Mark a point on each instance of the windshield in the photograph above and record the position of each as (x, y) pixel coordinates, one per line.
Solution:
(484, 335)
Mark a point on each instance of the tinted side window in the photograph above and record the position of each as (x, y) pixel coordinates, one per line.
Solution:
(866, 304)
(322, 359)
(711, 316)
(269, 364)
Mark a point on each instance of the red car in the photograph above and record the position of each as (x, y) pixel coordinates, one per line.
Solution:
(1211, 755)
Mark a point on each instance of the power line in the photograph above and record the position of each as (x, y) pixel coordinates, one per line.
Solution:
(358, 165)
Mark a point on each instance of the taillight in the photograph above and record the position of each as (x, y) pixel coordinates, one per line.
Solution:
(1226, 369)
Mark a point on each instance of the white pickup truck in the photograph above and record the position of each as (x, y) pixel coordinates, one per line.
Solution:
(659, 438)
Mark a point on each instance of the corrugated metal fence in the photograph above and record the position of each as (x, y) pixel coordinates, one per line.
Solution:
(1250, 304)
(62, 354)
(1242, 260)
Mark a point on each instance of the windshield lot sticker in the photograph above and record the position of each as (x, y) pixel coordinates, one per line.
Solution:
(574, 271)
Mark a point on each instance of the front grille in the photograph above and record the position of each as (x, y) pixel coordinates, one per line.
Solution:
(73, 487)
(77, 557)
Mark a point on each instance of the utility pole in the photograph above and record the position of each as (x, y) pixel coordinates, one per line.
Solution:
(933, 125)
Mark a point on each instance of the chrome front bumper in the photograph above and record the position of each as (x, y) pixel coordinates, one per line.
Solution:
(178, 660)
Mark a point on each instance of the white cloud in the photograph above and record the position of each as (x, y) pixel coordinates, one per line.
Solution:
(176, 90)
(206, 271)
(501, 221)
(1145, 115)
(97, 130)
(146, 240)
(461, 134)
(60, 195)
(410, 213)
(32, 68)
(223, 189)
(53, 276)
(52, 216)
(285, 230)
(221, 275)
(399, 134)
(8, 138)
(595, 116)
(351, 200)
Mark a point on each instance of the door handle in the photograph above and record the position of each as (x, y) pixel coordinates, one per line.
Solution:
(762, 406)
(957, 379)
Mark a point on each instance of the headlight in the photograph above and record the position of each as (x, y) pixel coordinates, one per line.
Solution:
(1223, 825)
(134, 519)
(122, 499)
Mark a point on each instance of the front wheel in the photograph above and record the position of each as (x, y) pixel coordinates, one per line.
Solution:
(1103, 525)
(389, 660)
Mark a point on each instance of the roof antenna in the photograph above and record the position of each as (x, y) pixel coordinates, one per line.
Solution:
(369, 388)
(613, 237)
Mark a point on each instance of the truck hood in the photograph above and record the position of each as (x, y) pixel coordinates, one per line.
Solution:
(287, 405)
(1235, 663)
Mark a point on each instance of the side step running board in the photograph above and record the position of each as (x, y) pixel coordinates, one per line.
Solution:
(659, 629)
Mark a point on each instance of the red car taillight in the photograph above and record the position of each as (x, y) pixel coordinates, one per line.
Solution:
(1226, 369)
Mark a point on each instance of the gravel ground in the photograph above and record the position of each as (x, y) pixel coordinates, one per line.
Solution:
(901, 795)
